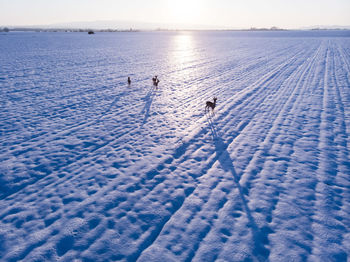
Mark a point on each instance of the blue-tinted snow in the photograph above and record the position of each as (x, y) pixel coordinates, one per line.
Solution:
(96, 170)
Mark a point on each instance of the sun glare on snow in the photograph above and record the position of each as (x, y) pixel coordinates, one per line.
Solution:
(183, 46)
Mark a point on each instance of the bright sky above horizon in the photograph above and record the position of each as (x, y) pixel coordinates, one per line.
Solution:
(226, 13)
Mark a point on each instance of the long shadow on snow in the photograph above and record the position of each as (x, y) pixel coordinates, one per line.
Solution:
(260, 235)
(149, 99)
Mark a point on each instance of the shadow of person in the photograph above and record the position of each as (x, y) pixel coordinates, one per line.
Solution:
(259, 235)
(146, 109)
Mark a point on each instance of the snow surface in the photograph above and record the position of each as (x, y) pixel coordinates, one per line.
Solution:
(96, 170)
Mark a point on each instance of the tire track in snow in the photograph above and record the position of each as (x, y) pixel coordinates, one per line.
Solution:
(343, 157)
(326, 227)
(341, 184)
(282, 166)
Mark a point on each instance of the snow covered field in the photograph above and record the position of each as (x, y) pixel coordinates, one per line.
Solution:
(96, 170)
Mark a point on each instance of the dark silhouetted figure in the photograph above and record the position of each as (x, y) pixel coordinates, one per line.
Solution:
(211, 105)
(155, 80)
(129, 80)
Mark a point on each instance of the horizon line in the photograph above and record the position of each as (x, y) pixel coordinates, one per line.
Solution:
(141, 25)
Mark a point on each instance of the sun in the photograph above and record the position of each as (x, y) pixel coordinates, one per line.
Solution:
(185, 11)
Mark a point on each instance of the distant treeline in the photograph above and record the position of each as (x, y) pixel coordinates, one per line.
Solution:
(274, 28)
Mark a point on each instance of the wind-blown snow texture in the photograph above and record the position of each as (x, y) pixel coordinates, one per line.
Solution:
(97, 170)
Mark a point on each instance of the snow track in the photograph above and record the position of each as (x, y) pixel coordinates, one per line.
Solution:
(96, 170)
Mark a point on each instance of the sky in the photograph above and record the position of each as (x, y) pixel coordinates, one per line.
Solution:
(287, 14)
